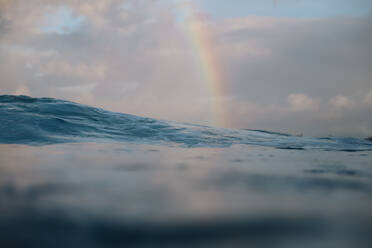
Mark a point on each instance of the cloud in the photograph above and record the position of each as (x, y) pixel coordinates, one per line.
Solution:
(22, 90)
(368, 98)
(342, 102)
(81, 70)
(301, 102)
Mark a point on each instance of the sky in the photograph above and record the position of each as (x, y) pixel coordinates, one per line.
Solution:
(294, 66)
(287, 8)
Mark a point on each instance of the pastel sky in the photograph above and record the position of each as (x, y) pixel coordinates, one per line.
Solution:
(287, 8)
(295, 66)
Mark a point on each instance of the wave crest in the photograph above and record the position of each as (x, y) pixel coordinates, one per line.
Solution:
(40, 121)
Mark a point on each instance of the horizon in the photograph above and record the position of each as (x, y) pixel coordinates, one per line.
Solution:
(367, 138)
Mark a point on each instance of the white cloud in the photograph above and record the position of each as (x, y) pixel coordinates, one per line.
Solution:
(22, 90)
(301, 102)
(81, 70)
(341, 102)
(368, 98)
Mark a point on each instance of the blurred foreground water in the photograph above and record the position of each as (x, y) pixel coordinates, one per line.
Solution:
(143, 195)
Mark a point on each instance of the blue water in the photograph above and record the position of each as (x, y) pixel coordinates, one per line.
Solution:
(41, 121)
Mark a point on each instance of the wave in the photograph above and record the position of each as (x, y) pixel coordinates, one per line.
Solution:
(42, 121)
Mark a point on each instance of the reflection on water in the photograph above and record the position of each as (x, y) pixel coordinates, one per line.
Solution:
(126, 195)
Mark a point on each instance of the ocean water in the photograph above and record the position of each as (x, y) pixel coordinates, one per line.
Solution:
(76, 176)
(42, 121)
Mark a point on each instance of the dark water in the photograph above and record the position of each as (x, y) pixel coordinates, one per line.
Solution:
(75, 176)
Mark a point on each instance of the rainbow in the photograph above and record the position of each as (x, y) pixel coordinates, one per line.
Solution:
(208, 62)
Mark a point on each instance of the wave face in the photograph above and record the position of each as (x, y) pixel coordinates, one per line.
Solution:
(41, 121)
